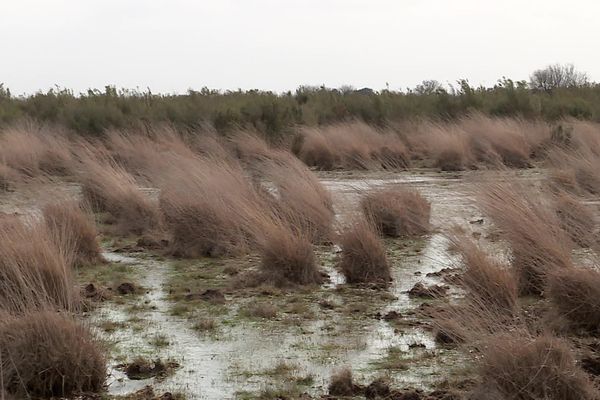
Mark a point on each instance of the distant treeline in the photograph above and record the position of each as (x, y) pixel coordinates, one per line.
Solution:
(274, 114)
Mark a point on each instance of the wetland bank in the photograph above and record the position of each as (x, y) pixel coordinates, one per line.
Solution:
(431, 261)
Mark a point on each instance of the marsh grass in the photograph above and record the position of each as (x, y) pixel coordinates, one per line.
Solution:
(46, 354)
(397, 212)
(363, 258)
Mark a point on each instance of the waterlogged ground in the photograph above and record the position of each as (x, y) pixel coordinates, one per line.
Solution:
(264, 341)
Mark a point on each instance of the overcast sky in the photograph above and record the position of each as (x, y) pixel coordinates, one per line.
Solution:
(173, 45)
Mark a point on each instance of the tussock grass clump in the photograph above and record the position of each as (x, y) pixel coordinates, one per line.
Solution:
(32, 150)
(575, 296)
(576, 219)
(451, 153)
(444, 146)
(586, 172)
(580, 167)
(341, 383)
(34, 272)
(531, 227)
(487, 282)
(526, 368)
(145, 154)
(511, 140)
(351, 145)
(363, 258)
(299, 196)
(287, 257)
(397, 212)
(209, 206)
(289, 186)
(69, 225)
(108, 188)
(563, 180)
(46, 354)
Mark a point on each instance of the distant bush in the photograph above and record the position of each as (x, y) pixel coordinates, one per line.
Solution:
(275, 114)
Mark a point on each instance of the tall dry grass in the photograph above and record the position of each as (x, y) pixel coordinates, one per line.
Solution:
(268, 202)
(44, 354)
(531, 228)
(486, 280)
(70, 225)
(363, 258)
(575, 296)
(145, 154)
(208, 205)
(513, 141)
(300, 196)
(33, 149)
(533, 368)
(34, 272)
(284, 183)
(108, 188)
(350, 145)
(8, 178)
(576, 219)
(397, 212)
(575, 168)
(287, 255)
(490, 304)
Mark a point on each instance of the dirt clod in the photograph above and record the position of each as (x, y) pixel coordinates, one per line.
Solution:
(377, 389)
(126, 288)
(144, 369)
(431, 292)
(392, 316)
(213, 296)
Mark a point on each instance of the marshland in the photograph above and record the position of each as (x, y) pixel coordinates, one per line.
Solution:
(420, 258)
(207, 200)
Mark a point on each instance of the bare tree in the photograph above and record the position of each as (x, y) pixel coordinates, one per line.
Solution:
(429, 87)
(557, 76)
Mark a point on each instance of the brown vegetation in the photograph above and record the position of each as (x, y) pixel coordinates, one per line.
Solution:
(34, 273)
(46, 354)
(209, 205)
(363, 258)
(487, 281)
(33, 149)
(351, 145)
(341, 383)
(397, 212)
(576, 219)
(290, 189)
(145, 154)
(526, 368)
(287, 257)
(71, 226)
(575, 296)
(8, 178)
(108, 188)
(532, 229)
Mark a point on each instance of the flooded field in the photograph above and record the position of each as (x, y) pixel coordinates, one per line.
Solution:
(267, 340)
(199, 332)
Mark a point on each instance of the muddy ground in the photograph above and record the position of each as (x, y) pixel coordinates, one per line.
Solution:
(216, 339)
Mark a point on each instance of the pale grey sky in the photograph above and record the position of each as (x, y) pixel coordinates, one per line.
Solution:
(173, 45)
